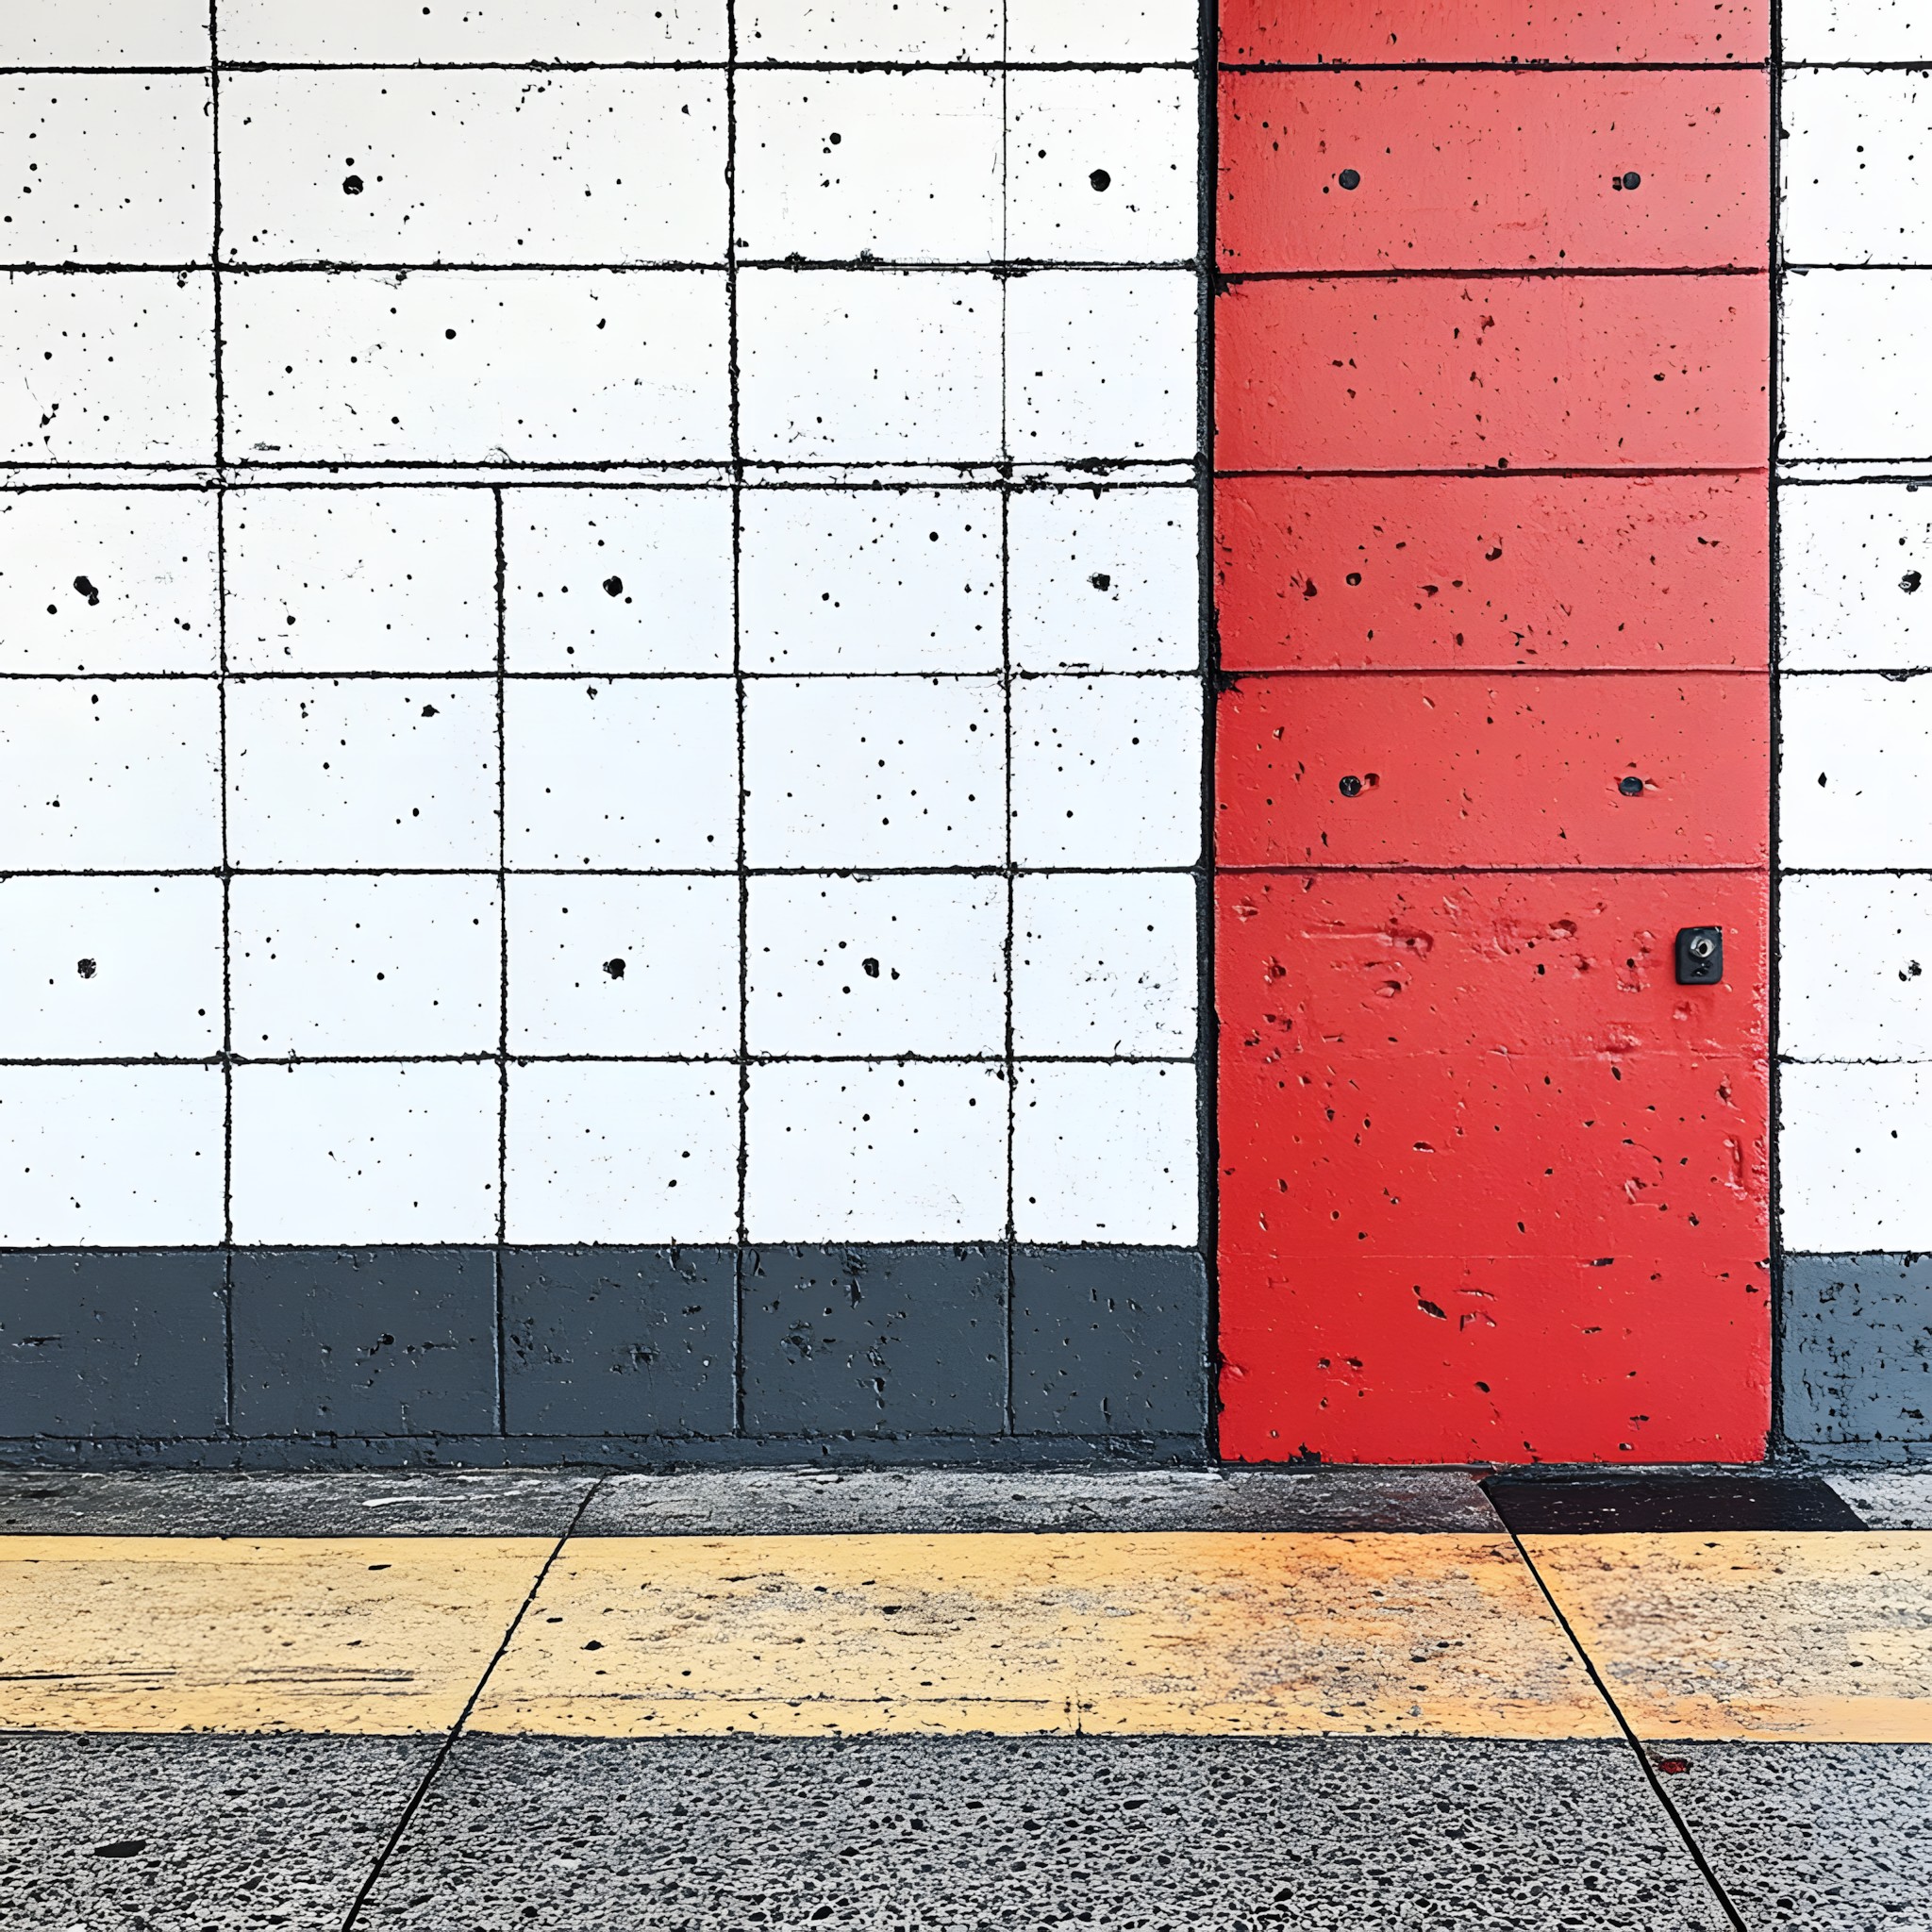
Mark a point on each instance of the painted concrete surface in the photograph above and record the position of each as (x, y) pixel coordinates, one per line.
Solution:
(1753, 1634)
(1889, 1499)
(1132, 1835)
(217, 1834)
(1160, 1633)
(1831, 1835)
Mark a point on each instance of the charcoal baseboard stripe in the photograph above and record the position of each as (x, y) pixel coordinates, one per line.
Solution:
(386, 1356)
(1857, 1364)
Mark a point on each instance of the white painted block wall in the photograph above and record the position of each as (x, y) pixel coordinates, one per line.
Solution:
(645, 687)
(1855, 511)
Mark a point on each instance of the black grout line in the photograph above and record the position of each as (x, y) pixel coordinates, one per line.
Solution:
(1346, 69)
(770, 65)
(672, 265)
(455, 1730)
(734, 377)
(499, 1336)
(1235, 278)
(992, 674)
(1009, 1413)
(1630, 1738)
(990, 869)
(1774, 652)
(1207, 1025)
(491, 1057)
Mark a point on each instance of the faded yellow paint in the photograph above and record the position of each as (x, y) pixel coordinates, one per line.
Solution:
(378, 1635)
(1199, 1634)
(1824, 1636)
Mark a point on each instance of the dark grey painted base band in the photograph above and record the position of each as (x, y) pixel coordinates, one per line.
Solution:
(381, 1358)
(1857, 1352)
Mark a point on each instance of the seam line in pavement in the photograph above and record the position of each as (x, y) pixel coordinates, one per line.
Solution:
(455, 1730)
(1636, 1743)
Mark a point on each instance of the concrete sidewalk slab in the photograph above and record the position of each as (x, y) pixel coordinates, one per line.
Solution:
(1829, 1838)
(1152, 1633)
(110, 1834)
(935, 1501)
(1132, 1835)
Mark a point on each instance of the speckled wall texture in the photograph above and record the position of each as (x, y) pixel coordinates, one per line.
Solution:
(1855, 514)
(602, 800)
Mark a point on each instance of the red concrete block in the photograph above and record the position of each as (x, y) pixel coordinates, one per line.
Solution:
(1355, 967)
(1487, 573)
(1601, 372)
(1654, 1359)
(1387, 31)
(1335, 769)
(1336, 171)
(1489, 1066)
(1492, 1185)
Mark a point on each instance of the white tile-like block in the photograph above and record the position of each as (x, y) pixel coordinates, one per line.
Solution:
(106, 168)
(373, 772)
(473, 366)
(1855, 957)
(108, 369)
(1106, 1153)
(1855, 771)
(931, 30)
(122, 775)
(1854, 1148)
(618, 579)
(104, 33)
(1855, 576)
(614, 1153)
(104, 967)
(866, 1151)
(321, 967)
(110, 1157)
(841, 965)
(93, 580)
(1106, 580)
(371, 1153)
(1856, 30)
(399, 580)
(1106, 771)
(498, 167)
(1102, 363)
(874, 771)
(898, 167)
(1857, 166)
(1105, 964)
(624, 966)
(1103, 167)
(376, 32)
(869, 366)
(620, 776)
(871, 580)
(1102, 29)
(1856, 381)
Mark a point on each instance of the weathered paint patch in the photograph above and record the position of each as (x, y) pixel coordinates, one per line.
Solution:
(1795, 1635)
(376, 1635)
(1157, 1634)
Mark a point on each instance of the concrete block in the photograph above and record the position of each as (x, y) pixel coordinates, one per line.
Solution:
(1858, 1354)
(619, 1342)
(885, 1341)
(375, 1342)
(871, 1150)
(623, 1152)
(1109, 1340)
(95, 1343)
(1856, 761)
(1106, 1153)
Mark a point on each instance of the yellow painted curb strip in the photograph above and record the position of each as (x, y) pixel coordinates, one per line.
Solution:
(1817, 1636)
(1208, 1634)
(371, 1635)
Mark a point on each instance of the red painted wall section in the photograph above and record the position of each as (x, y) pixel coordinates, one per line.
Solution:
(1491, 561)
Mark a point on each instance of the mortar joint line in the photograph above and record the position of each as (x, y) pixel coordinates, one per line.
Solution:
(455, 1730)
